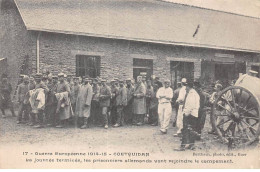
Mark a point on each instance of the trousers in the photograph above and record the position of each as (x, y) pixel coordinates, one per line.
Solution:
(179, 122)
(164, 112)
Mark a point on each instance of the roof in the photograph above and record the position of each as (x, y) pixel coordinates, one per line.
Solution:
(143, 20)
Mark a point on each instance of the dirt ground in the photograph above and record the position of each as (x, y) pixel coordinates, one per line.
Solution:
(146, 137)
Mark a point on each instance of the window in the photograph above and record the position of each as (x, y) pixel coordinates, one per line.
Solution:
(88, 66)
(142, 66)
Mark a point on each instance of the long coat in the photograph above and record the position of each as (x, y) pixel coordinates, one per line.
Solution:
(139, 104)
(84, 98)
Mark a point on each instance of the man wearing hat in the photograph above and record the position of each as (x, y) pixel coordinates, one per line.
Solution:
(104, 100)
(253, 73)
(129, 108)
(139, 104)
(5, 96)
(164, 96)
(121, 102)
(190, 118)
(62, 115)
(39, 112)
(23, 100)
(180, 101)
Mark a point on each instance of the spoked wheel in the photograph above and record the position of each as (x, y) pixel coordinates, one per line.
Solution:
(235, 116)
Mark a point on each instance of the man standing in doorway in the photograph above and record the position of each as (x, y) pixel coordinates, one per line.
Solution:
(139, 104)
(164, 96)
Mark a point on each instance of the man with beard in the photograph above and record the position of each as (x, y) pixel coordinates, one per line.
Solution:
(24, 105)
(121, 102)
(139, 104)
(5, 96)
(63, 108)
(83, 104)
(51, 103)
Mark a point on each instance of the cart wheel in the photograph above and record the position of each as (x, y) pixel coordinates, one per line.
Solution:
(235, 116)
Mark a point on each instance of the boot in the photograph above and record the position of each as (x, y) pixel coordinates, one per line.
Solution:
(85, 125)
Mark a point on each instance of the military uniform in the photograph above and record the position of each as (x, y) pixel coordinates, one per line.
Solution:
(104, 100)
(23, 100)
(95, 109)
(121, 102)
(129, 108)
(51, 104)
(139, 104)
(114, 91)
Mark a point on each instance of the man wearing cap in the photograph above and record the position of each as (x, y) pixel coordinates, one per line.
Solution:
(190, 118)
(5, 96)
(175, 104)
(180, 101)
(23, 100)
(83, 105)
(121, 102)
(129, 108)
(39, 112)
(164, 96)
(95, 109)
(104, 100)
(114, 91)
(139, 104)
(51, 103)
(61, 115)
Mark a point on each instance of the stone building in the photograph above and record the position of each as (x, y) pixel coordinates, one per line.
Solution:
(118, 38)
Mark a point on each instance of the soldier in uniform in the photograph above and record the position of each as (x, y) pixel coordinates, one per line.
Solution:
(149, 95)
(5, 96)
(139, 104)
(95, 110)
(51, 102)
(75, 92)
(23, 100)
(114, 91)
(129, 107)
(83, 104)
(121, 102)
(62, 86)
(104, 100)
(39, 113)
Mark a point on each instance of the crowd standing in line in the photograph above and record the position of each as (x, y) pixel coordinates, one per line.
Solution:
(45, 100)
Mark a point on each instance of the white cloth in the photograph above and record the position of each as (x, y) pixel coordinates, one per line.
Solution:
(166, 92)
(164, 96)
(179, 122)
(164, 113)
(192, 103)
(182, 95)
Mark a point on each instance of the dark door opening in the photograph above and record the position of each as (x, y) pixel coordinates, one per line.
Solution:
(142, 66)
(181, 70)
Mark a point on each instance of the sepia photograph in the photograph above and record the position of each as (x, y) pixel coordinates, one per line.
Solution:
(129, 84)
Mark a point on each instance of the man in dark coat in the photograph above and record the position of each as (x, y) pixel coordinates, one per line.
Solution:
(114, 92)
(104, 100)
(5, 96)
(51, 102)
(129, 108)
(121, 102)
(23, 100)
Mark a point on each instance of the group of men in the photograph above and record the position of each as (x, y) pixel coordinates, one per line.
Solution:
(63, 99)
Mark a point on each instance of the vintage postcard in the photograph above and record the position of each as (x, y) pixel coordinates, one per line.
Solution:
(127, 84)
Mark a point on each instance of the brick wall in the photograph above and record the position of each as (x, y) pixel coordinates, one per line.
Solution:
(58, 51)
